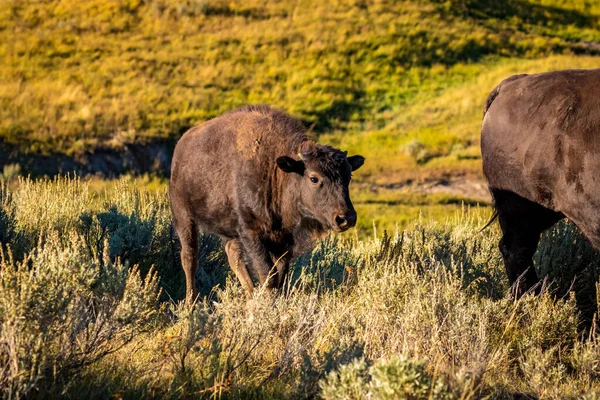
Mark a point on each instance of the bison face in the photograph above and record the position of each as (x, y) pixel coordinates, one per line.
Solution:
(324, 177)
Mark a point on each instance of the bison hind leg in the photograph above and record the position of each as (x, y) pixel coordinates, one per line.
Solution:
(522, 222)
(235, 257)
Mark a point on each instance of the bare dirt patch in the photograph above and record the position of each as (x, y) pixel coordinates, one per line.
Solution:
(467, 187)
(473, 189)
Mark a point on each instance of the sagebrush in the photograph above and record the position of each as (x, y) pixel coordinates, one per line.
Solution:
(421, 313)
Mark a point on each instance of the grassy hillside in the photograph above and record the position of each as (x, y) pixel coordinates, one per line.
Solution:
(402, 82)
(424, 314)
(436, 136)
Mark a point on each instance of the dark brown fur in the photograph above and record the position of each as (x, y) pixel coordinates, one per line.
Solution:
(246, 176)
(540, 145)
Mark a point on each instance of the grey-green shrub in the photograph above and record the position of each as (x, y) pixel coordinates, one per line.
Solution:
(129, 237)
(6, 216)
(397, 378)
(350, 381)
(62, 309)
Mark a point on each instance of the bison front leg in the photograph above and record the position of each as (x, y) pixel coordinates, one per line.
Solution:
(260, 258)
(235, 257)
(282, 264)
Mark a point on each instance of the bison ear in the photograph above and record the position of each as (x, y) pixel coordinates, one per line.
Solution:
(356, 162)
(288, 164)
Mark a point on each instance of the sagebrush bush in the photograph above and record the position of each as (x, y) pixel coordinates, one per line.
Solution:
(49, 205)
(397, 378)
(130, 237)
(423, 313)
(62, 308)
(6, 217)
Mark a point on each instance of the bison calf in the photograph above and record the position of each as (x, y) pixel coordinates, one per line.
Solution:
(253, 177)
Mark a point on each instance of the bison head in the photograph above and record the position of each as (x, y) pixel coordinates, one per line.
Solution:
(324, 175)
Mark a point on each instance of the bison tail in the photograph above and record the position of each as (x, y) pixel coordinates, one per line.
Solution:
(494, 217)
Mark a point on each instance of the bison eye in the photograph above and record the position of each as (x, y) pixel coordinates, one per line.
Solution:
(314, 179)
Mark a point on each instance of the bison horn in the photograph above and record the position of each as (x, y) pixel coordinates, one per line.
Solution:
(345, 153)
(301, 156)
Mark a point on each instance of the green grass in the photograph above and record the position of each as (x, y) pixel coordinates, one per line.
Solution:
(423, 313)
(444, 127)
(391, 210)
(372, 76)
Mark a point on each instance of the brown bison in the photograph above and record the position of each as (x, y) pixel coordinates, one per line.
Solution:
(253, 177)
(540, 144)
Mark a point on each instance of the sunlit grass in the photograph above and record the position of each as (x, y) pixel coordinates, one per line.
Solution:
(446, 124)
(371, 76)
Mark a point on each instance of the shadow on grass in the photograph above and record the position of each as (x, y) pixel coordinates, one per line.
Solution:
(337, 114)
(152, 157)
(519, 10)
(212, 272)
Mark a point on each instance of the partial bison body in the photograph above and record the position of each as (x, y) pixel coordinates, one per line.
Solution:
(540, 144)
(254, 178)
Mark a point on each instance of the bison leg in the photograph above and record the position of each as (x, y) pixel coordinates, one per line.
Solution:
(235, 257)
(188, 236)
(260, 258)
(522, 222)
(282, 263)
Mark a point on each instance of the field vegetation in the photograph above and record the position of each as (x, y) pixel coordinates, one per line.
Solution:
(89, 308)
(414, 303)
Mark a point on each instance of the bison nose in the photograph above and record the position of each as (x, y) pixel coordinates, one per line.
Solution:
(341, 221)
(351, 218)
(346, 221)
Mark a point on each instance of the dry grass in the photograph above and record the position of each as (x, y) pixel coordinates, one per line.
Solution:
(423, 314)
